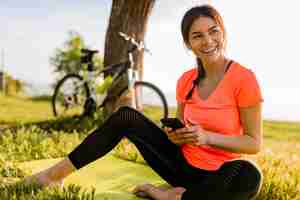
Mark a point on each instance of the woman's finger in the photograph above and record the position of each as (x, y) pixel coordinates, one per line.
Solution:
(186, 141)
(186, 130)
(167, 129)
(188, 135)
(190, 141)
(182, 136)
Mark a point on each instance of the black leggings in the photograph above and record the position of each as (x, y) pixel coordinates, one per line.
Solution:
(237, 179)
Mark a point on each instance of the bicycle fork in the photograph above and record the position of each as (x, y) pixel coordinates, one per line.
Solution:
(132, 78)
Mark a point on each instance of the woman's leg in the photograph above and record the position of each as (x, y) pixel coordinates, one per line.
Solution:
(247, 183)
(161, 154)
(235, 180)
(158, 151)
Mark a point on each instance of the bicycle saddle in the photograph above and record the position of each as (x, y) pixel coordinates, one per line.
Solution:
(89, 51)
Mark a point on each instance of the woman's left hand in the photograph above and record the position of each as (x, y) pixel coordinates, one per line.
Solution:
(196, 132)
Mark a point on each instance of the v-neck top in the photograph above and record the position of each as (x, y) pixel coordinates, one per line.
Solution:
(219, 112)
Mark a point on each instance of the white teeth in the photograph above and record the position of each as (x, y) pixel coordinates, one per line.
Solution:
(211, 50)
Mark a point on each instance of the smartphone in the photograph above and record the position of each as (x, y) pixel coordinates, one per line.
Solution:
(173, 123)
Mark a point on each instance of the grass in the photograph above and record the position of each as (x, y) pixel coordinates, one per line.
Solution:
(20, 110)
(35, 140)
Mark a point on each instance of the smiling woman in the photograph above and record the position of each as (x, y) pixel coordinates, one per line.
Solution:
(219, 102)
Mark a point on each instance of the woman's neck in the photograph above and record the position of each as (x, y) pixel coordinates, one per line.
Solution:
(215, 69)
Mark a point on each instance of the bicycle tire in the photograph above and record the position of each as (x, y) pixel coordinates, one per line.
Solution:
(159, 109)
(59, 86)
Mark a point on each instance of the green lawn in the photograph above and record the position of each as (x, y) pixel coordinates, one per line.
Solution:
(37, 140)
(16, 110)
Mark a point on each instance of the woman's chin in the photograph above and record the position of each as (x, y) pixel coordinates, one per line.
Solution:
(210, 58)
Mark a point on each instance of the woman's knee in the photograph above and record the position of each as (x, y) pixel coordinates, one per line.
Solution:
(128, 112)
(124, 113)
(253, 169)
(251, 177)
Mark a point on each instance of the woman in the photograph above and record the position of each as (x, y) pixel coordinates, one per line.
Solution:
(219, 102)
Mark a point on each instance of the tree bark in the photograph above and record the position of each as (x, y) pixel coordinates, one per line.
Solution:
(130, 17)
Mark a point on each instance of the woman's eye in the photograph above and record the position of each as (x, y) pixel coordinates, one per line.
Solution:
(214, 31)
(198, 36)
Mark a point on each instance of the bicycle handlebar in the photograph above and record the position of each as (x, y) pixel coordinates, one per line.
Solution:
(88, 53)
(140, 45)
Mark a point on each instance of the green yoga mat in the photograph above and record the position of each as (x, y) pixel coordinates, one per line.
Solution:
(112, 178)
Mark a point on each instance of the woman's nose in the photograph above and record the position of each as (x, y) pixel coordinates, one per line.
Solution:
(207, 40)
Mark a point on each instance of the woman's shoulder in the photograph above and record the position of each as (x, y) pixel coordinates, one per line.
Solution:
(243, 75)
(246, 86)
(187, 75)
(242, 72)
(242, 69)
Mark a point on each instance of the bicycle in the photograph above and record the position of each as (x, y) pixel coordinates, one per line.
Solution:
(76, 95)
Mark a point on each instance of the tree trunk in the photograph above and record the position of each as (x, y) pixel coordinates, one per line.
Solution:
(130, 17)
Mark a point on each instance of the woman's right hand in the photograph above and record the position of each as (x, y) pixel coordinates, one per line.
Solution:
(180, 138)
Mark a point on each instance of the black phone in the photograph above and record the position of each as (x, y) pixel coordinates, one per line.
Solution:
(173, 123)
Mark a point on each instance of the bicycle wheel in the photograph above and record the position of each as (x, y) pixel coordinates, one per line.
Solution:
(70, 96)
(151, 101)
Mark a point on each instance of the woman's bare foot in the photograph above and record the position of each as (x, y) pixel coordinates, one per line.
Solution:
(141, 190)
(158, 193)
(42, 179)
(53, 176)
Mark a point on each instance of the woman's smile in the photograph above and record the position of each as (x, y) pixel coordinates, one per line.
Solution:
(209, 51)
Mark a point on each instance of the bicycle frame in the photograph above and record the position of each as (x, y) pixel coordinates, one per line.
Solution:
(121, 68)
(132, 75)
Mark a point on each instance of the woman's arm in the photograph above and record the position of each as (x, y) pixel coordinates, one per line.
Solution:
(250, 142)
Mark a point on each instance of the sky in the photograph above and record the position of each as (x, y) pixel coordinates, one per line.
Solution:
(262, 35)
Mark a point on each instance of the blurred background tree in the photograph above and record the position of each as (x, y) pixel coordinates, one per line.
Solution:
(67, 59)
(12, 86)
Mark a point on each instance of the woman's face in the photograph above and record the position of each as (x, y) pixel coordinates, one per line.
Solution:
(206, 39)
